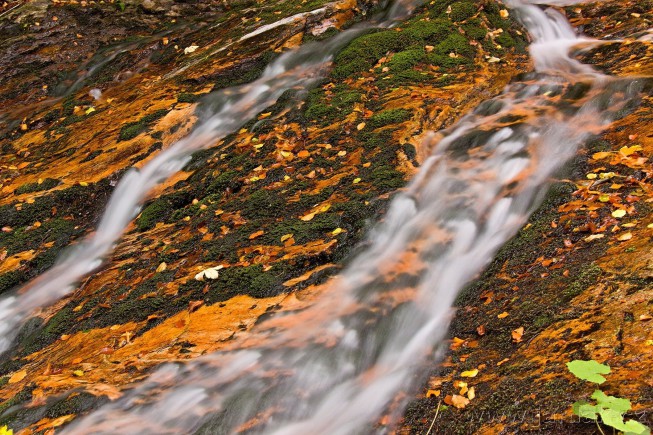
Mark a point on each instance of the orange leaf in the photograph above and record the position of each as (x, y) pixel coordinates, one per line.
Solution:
(256, 234)
(459, 401)
(517, 334)
(17, 377)
(503, 315)
(308, 217)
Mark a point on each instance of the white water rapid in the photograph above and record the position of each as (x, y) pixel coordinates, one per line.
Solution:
(357, 347)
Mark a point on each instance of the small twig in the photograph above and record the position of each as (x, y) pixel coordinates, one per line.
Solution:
(9, 10)
(437, 411)
(599, 426)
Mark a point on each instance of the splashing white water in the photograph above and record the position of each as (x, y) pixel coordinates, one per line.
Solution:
(455, 214)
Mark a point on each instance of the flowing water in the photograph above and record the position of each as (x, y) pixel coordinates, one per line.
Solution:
(359, 343)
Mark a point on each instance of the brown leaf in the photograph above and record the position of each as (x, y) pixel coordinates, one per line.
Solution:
(481, 330)
(194, 305)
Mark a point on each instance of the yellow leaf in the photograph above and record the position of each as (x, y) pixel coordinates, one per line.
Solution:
(90, 110)
(83, 183)
(335, 232)
(649, 342)
(625, 236)
(325, 208)
(78, 373)
(503, 315)
(626, 151)
(357, 180)
(471, 393)
(17, 377)
(469, 373)
(342, 153)
(308, 217)
(591, 176)
(604, 198)
(285, 154)
(162, 267)
(594, 237)
(619, 213)
(265, 115)
(601, 155)
(360, 126)
(4, 430)
(286, 237)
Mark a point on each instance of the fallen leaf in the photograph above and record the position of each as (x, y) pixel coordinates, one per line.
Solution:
(469, 373)
(190, 49)
(601, 155)
(459, 401)
(308, 217)
(286, 237)
(360, 126)
(594, 237)
(481, 330)
(433, 393)
(356, 180)
(503, 315)
(256, 234)
(471, 394)
(161, 267)
(194, 305)
(645, 317)
(76, 361)
(619, 213)
(517, 334)
(342, 153)
(17, 377)
(336, 231)
(78, 373)
(625, 236)
(627, 151)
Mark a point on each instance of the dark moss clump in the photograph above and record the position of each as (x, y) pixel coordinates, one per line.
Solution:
(406, 59)
(362, 53)
(318, 107)
(133, 129)
(263, 204)
(473, 28)
(430, 32)
(46, 184)
(250, 280)
(11, 279)
(186, 97)
(457, 44)
(388, 117)
(460, 11)
(92, 155)
(161, 209)
(387, 178)
(505, 40)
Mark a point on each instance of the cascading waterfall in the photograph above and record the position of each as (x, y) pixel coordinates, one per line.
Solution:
(360, 342)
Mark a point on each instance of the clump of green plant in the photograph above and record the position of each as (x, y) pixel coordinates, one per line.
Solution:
(611, 409)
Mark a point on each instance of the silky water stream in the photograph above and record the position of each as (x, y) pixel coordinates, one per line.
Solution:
(360, 342)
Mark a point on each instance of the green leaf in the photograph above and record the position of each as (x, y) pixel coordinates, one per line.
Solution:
(588, 370)
(613, 418)
(611, 402)
(636, 428)
(585, 410)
